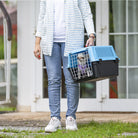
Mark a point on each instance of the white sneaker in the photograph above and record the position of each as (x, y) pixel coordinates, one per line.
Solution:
(71, 123)
(53, 125)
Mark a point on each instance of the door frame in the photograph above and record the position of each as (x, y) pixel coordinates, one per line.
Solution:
(112, 105)
(102, 102)
(85, 104)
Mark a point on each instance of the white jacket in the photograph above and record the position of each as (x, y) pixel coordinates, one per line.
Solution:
(77, 15)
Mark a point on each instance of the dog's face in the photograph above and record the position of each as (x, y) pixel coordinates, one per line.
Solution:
(81, 57)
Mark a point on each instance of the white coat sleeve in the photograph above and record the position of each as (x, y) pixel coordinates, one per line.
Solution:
(86, 16)
(40, 22)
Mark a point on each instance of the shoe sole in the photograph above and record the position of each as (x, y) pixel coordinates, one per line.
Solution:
(48, 131)
(71, 129)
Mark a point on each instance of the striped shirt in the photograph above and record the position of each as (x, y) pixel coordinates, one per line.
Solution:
(77, 16)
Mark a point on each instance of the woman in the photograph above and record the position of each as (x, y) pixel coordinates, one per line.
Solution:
(60, 30)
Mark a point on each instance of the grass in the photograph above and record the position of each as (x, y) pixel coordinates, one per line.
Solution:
(7, 109)
(91, 130)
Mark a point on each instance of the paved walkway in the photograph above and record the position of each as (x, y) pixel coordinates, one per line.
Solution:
(29, 119)
(37, 121)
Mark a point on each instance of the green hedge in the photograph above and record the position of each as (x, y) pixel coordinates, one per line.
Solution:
(13, 47)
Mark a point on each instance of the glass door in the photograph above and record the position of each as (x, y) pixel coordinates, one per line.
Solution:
(89, 92)
(116, 23)
(123, 35)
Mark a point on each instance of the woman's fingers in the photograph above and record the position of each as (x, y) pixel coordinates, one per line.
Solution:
(37, 53)
(87, 43)
(90, 42)
(38, 56)
(39, 50)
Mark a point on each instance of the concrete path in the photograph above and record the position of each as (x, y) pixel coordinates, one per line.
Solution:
(29, 119)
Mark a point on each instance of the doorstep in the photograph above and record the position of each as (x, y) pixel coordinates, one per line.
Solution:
(40, 119)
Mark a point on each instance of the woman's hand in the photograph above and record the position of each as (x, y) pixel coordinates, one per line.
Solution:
(90, 42)
(37, 51)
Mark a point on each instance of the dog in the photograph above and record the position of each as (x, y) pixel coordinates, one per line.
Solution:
(84, 69)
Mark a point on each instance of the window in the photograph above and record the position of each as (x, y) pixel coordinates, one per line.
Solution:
(123, 34)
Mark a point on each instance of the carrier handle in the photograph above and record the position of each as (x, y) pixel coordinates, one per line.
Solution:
(116, 60)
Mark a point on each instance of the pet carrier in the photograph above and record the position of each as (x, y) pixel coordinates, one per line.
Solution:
(93, 63)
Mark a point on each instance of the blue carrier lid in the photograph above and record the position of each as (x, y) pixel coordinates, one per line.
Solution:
(97, 53)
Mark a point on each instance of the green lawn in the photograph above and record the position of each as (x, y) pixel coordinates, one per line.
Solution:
(91, 130)
(3, 108)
